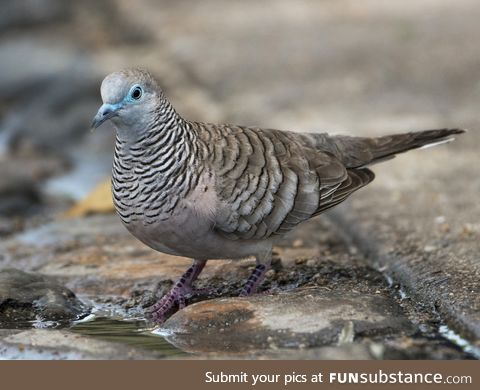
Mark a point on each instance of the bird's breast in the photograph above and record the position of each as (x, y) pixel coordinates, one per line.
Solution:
(166, 220)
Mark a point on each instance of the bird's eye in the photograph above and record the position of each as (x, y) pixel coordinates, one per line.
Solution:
(136, 93)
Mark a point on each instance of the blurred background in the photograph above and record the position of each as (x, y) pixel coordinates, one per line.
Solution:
(368, 67)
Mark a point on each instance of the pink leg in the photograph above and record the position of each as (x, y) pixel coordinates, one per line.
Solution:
(255, 280)
(178, 294)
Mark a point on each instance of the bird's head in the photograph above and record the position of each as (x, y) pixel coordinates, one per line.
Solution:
(129, 97)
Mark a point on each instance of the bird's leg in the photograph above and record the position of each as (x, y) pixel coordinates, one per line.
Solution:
(178, 294)
(258, 274)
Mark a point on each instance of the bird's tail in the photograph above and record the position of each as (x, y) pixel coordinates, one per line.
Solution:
(357, 152)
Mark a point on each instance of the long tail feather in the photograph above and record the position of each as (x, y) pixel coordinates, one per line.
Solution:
(359, 152)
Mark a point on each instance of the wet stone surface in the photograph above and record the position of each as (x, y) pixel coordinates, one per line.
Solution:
(31, 297)
(319, 296)
(64, 344)
(309, 317)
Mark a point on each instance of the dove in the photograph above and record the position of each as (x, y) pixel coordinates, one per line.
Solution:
(217, 191)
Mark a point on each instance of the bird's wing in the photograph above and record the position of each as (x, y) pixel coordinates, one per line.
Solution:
(269, 181)
(356, 179)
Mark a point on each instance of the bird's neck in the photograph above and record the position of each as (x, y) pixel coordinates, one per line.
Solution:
(160, 128)
(167, 148)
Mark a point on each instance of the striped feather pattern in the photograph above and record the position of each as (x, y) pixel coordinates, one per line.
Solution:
(151, 175)
(265, 181)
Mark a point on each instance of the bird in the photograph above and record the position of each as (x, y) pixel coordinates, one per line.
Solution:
(217, 191)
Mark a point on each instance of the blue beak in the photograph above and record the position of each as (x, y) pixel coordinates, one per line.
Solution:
(104, 113)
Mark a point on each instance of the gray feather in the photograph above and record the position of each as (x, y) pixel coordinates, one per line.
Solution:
(206, 190)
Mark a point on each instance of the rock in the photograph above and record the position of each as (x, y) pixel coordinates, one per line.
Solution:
(393, 347)
(434, 348)
(53, 344)
(305, 318)
(28, 297)
(352, 351)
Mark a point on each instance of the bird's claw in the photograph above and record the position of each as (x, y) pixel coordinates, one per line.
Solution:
(177, 296)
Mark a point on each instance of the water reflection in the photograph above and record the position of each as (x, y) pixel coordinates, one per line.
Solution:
(134, 333)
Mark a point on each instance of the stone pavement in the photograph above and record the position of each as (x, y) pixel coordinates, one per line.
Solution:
(392, 273)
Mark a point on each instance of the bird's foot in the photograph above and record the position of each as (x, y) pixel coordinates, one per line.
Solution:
(177, 296)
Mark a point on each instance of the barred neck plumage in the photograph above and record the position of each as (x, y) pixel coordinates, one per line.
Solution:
(153, 172)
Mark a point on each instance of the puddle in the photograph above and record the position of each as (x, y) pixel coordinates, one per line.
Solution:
(134, 333)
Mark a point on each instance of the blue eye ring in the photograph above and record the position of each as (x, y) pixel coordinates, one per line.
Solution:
(136, 92)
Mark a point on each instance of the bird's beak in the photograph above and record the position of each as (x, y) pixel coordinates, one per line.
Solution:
(104, 113)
